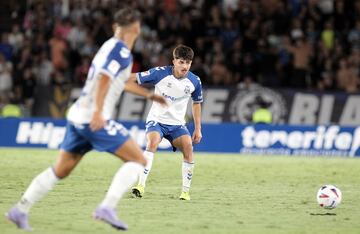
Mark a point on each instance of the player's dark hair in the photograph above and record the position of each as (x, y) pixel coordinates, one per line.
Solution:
(126, 16)
(183, 52)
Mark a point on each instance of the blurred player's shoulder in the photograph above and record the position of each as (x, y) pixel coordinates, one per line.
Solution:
(114, 55)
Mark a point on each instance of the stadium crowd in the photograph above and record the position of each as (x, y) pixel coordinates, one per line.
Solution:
(308, 44)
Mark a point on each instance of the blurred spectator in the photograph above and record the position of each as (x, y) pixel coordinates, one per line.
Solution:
(328, 36)
(219, 73)
(62, 28)
(77, 35)
(347, 77)
(236, 41)
(327, 81)
(302, 53)
(261, 114)
(43, 69)
(59, 49)
(6, 82)
(5, 47)
(81, 71)
(16, 38)
(89, 47)
(354, 35)
(28, 85)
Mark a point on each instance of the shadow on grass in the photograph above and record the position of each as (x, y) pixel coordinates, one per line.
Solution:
(323, 214)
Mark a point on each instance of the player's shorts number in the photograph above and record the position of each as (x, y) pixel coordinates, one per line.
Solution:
(151, 123)
(112, 128)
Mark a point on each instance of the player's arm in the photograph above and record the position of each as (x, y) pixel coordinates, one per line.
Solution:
(132, 78)
(97, 120)
(131, 86)
(196, 110)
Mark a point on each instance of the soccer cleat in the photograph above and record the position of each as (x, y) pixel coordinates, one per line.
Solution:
(19, 218)
(109, 216)
(138, 191)
(185, 196)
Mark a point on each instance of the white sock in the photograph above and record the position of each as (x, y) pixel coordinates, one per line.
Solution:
(38, 188)
(149, 156)
(187, 173)
(124, 178)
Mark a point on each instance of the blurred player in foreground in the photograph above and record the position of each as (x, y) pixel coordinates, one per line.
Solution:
(177, 84)
(90, 126)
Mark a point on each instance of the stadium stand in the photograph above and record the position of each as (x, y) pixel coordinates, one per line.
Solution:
(313, 45)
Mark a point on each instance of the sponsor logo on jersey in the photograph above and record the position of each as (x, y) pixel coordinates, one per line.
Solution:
(169, 97)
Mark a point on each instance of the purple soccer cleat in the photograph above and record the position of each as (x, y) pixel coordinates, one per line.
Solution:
(109, 216)
(19, 218)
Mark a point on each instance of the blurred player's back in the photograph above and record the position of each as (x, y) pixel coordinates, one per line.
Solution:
(113, 59)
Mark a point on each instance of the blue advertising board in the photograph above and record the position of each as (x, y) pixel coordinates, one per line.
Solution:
(331, 140)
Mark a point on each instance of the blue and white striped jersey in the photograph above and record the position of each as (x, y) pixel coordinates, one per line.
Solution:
(113, 59)
(176, 91)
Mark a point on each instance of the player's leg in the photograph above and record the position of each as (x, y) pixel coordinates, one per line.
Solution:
(73, 147)
(153, 138)
(40, 186)
(184, 144)
(124, 178)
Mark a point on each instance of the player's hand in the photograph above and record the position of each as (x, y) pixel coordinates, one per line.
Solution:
(158, 98)
(97, 121)
(196, 137)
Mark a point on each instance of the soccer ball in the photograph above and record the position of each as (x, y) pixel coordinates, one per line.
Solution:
(329, 196)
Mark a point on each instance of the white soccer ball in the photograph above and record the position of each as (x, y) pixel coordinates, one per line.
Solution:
(329, 196)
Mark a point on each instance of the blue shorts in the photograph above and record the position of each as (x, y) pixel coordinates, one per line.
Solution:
(169, 132)
(80, 139)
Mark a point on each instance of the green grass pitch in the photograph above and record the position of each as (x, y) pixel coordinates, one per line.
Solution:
(230, 194)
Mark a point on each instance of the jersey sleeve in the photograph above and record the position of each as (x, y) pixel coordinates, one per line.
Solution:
(118, 59)
(151, 76)
(197, 95)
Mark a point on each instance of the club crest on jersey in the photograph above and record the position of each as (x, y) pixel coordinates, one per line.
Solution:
(187, 89)
(169, 85)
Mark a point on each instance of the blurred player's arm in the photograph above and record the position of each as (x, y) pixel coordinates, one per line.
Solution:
(196, 110)
(132, 86)
(97, 120)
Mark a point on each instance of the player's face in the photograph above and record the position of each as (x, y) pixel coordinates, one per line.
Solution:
(129, 33)
(181, 67)
(133, 30)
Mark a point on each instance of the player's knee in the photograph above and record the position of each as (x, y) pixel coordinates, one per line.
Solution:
(152, 146)
(188, 147)
(187, 150)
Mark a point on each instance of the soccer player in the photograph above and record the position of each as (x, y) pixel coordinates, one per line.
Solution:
(90, 126)
(177, 84)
